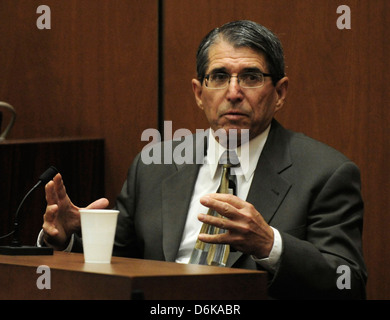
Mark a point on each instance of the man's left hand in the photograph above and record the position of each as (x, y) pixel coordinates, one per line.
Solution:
(246, 230)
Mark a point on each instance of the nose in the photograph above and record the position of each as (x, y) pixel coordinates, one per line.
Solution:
(234, 92)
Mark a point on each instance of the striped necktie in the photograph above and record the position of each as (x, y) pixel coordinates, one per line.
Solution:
(217, 254)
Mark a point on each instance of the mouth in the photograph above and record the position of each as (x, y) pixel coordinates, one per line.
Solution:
(234, 115)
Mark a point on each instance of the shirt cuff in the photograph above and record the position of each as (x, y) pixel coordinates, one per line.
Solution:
(41, 243)
(272, 260)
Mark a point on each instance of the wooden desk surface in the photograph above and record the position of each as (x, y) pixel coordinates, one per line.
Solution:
(72, 278)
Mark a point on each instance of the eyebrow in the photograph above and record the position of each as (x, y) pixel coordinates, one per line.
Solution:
(218, 70)
(224, 70)
(253, 69)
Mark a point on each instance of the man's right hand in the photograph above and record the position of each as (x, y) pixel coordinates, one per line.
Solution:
(62, 217)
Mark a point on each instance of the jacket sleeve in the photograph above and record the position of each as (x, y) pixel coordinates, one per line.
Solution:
(328, 263)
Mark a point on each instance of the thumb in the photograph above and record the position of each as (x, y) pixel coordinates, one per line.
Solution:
(101, 203)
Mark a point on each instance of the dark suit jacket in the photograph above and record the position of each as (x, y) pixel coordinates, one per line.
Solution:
(305, 189)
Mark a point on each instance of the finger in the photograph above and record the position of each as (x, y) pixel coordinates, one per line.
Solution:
(59, 187)
(51, 212)
(50, 230)
(99, 204)
(221, 238)
(219, 222)
(232, 229)
(48, 220)
(228, 198)
(51, 195)
(222, 207)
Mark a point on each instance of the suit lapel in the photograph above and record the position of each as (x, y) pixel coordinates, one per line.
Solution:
(177, 192)
(268, 188)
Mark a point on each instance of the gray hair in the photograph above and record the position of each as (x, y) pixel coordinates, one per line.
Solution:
(244, 33)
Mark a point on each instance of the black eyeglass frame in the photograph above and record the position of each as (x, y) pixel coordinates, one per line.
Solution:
(264, 75)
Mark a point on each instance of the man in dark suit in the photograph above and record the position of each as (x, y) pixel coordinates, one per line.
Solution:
(298, 212)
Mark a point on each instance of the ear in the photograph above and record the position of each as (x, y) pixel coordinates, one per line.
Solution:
(281, 91)
(197, 88)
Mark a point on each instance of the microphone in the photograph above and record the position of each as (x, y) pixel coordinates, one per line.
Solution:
(16, 248)
(11, 109)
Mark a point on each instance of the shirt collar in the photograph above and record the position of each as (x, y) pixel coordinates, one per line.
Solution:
(248, 154)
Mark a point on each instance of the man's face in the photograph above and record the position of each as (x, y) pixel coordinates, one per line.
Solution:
(235, 107)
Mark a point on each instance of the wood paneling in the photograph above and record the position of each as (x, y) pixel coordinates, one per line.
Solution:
(338, 89)
(93, 73)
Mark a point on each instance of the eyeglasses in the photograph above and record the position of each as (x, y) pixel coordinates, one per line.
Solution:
(221, 80)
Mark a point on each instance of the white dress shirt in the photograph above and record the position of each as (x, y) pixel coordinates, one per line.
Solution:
(208, 181)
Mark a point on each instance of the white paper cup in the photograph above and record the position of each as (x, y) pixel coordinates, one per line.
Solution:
(98, 231)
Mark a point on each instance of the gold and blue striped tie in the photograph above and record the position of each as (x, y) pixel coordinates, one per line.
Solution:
(216, 254)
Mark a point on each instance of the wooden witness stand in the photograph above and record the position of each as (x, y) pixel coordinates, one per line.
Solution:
(124, 278)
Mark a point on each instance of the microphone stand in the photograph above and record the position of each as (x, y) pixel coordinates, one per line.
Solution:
(16, 248)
